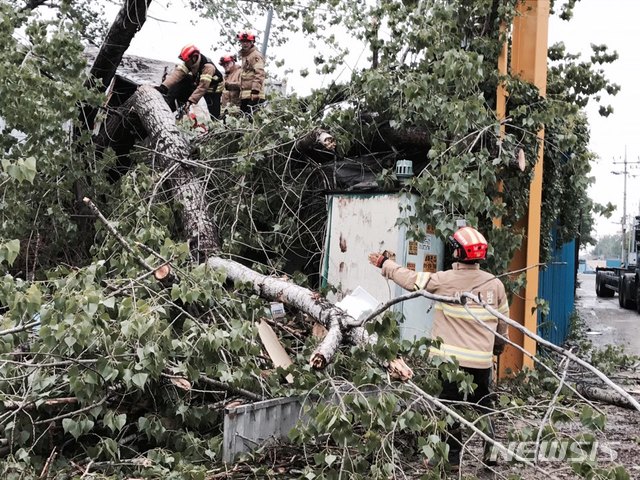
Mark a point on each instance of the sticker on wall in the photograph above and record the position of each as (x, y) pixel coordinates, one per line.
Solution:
(426, 243)
(430, 229)
(430, 263)
(413, 247)
(411, 266)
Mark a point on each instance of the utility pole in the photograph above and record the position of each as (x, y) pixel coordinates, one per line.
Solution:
(267, 32)
(625, 250)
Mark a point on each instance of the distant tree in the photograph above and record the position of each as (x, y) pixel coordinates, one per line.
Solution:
(609, 246)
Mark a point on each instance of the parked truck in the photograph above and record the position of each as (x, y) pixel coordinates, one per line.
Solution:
(625, 280)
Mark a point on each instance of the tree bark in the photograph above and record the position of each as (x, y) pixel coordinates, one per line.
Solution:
(303, 299)
(604, 396)
(129, 20)
(171, 150)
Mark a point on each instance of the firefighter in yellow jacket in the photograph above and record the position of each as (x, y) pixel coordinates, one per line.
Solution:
(253, 75)
(463, 338)
(195, 78)
(231, 91)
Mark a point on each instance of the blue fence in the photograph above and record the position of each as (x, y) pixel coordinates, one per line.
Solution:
(557, 286)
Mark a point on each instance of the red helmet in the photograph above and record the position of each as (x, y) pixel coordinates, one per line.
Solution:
(470, 244)
(227, 58)
(246, 36)
(188, 51)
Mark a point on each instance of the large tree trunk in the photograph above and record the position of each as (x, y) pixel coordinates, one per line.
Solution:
(303, 299)
(171, 151)
(129, 20)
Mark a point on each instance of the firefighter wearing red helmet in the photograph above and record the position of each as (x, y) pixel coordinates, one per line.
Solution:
(195, 78)
(232, 71)
(466, 331)
(253, 74)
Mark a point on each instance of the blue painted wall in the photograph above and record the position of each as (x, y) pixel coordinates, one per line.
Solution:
(614, 262)
(557, 286)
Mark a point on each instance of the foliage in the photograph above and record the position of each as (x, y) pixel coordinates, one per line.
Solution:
(40, 89)
(129, 378)
(608, 246)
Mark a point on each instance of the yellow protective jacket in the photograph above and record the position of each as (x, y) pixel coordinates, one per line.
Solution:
(206, 78)
(253, 74)
(231, 92)
(462, 335)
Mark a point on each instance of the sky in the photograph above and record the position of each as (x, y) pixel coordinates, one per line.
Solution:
(615, 24)
(610, 22)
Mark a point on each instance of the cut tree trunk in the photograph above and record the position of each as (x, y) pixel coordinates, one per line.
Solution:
(171, 152)
(316, 139)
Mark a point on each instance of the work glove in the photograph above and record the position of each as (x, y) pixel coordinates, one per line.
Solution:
(183, 110)
(255, 95)
(162, 89)
(498, 348)
(378, 259)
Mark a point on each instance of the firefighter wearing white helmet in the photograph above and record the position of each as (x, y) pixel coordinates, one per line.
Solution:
(463, 337)
(195, 78)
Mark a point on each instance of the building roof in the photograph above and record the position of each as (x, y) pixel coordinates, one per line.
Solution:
(140, 70)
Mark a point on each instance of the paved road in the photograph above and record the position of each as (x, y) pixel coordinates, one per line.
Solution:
(609, 323)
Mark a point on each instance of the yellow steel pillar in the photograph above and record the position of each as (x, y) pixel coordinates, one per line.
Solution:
(529, 62)
(501, 107)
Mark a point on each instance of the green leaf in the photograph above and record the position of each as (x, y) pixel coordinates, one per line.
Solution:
(139, 379)
(9, 251)
(21, 170)
(329, 459)
(109, 302)
(71, 426)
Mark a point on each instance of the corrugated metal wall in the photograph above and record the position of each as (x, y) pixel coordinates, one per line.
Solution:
(557, 286)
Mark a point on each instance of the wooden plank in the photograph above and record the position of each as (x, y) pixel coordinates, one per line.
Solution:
(274, 348)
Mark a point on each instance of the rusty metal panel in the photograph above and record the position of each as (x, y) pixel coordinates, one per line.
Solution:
(247, 427)
(363, 223)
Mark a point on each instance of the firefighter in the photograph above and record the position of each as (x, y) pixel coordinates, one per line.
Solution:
(195, 78)
(252, 75)
(463, 338)
(232, 71)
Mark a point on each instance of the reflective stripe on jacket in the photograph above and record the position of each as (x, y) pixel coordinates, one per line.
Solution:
(204, 75)
(253, 74)
(463, 337)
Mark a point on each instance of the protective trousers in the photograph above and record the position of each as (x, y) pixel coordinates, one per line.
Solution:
(483, 400)
(180, 93)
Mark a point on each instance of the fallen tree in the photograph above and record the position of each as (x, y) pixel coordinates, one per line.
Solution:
(108, 370)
